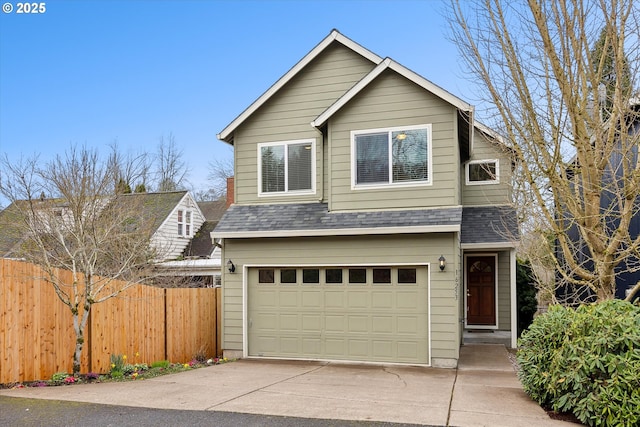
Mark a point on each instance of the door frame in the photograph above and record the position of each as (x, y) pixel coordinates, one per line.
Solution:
(493, 255)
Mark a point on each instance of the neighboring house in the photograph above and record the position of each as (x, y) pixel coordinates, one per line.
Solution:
(175, 217)
(627, 273)
(200, 259)
(372, 218)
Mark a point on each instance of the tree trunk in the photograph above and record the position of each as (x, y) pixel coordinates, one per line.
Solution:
(79, 326)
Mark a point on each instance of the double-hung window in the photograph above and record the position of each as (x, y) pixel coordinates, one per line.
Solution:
(392, 156)
(286, 167)
(184, 223)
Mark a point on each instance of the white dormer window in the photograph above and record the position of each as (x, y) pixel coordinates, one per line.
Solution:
(185, 223)
(482, 172)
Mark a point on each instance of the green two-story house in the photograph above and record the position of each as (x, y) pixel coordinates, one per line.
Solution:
(371, 218)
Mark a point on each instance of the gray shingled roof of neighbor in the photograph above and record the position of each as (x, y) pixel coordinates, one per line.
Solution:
(11, 233)
(491, 224)
(154, 206)
(213, 210)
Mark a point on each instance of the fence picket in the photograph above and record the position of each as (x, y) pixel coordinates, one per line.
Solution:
(37, 337)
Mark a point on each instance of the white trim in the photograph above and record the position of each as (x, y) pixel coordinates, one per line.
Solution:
(495, 279)
(391, 184)
(475, 162)
(493, 246)
(320, 47)
(245, 308)
(389, 63)
(286, 145)
(340, 231)
(514, 300)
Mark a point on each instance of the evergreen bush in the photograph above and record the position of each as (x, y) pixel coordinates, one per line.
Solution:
(585, 361)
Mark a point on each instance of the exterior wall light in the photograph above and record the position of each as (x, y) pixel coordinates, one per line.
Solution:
(443, 262)
(230, 266)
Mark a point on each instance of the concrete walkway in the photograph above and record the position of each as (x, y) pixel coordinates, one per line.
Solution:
(483, 391)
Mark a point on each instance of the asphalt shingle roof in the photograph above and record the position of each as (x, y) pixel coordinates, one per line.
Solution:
(315, 216)
(489, 224)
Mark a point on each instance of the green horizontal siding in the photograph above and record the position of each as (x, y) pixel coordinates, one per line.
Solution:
(344, 251)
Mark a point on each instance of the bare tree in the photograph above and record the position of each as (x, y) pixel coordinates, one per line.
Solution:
(219, 171)
(578, 169)
(128, 169)
(171, 169)
(69, 218)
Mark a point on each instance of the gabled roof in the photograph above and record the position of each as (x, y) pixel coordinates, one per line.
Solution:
(156, 206)
(227, 133)
(389, 64)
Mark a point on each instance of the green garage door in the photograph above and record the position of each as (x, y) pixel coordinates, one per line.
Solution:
(375, 314)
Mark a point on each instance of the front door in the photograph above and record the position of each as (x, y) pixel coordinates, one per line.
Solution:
(481, 291)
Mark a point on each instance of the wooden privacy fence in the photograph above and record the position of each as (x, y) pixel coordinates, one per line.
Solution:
(144, 322)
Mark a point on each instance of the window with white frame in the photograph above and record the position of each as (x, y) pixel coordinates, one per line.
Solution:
(185, 225)
(482, 172)
(392, 156)
(286, 167)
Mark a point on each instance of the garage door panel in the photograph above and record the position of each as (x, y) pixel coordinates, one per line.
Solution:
(358, 348)
(382, 299)
(358, 299)
(358, 324)
(334, 323)
(376, 322)
(383, 349)
(311, 323)
(334, 299)
(288, 298)
(382, 324)
(288, 322)
(311, 299)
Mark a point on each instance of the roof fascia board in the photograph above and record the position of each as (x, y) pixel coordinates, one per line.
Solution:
(320, 47)
(494, 245)
(389, 63)
(339, 232)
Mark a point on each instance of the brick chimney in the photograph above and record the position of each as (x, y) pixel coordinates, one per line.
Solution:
(230, 191)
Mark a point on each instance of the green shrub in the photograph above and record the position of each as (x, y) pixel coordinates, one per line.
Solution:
(160, 364)
(585, 361)
(59, 377)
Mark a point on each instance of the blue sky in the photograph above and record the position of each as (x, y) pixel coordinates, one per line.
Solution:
(93, 72)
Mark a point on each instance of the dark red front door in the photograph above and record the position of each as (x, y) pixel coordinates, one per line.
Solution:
(481, 291)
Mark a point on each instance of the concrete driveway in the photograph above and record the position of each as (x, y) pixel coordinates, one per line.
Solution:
(484, 390)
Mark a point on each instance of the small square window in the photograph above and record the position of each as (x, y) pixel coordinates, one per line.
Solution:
(406, 275)
(333, 275)
(357, 275)
(288, 275)
(310, 275)
(381, 275)
(482, 172)
(266, 275)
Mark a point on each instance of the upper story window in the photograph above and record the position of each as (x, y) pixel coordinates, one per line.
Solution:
(482, 172)
(286, 167)
(393, 156)
(185, 225)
